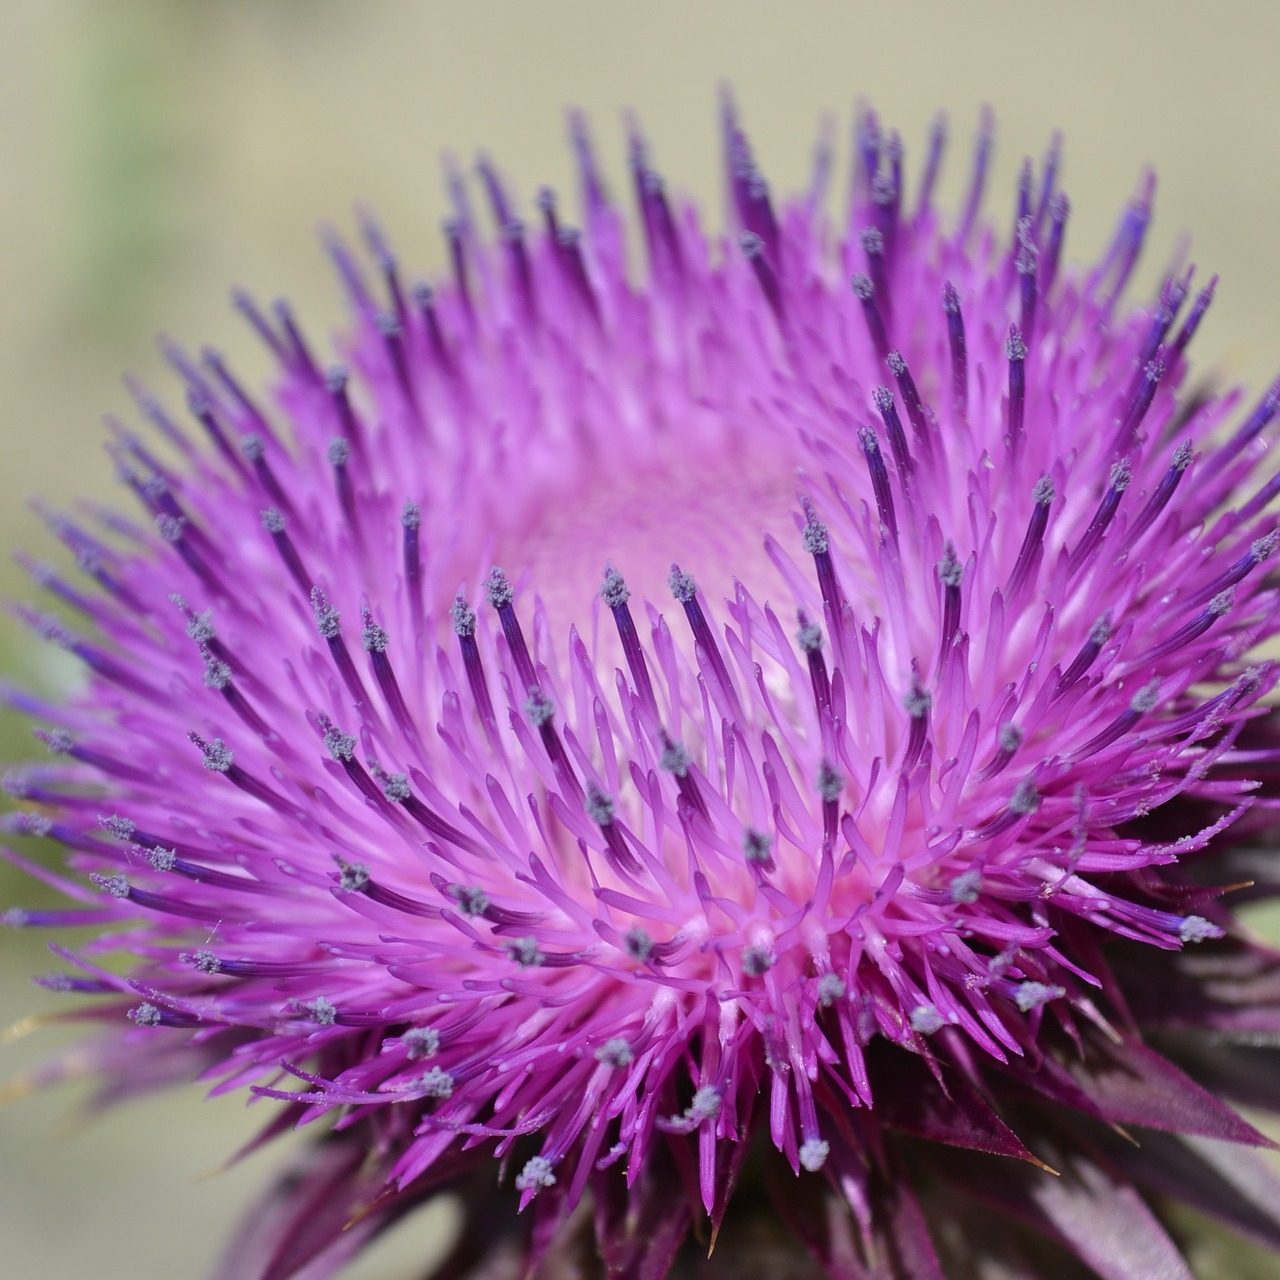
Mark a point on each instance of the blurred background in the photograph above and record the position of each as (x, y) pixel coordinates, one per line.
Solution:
(155, 152)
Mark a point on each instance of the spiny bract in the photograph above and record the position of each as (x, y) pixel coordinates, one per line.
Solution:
(860, 810)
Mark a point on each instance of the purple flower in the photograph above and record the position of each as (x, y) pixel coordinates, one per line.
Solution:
(819, 823)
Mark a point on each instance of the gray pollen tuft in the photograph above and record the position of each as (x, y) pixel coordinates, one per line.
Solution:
(813, 1154)
(471, 899)
(1121, 474)
(59, 742)
(116, 886)
(1100, 632)
(119, 827)
(882, 398)
(1010, 736)
(170, 528)
(1222, 602)
(705, 1105)
(218, 757)
(1043, 494)
(335, 379)
(862, 286)
(321, 1010)
(872, 241)
(497, 589)
(682, 585)
(883, 190)
(950, 570)
(200, 628)
(897, 365)
(816, 541)
(950, 299)
(352, 876)
(1031, 995)
(615, 1053)
(341, 746)
(539, 708)
(162, 859)
(868, 439)
(809, 637)
(830, 782)
(831, 987)
(1264, 548)
(251, 447)
(339, 451)
(463, 617)
(756, 961)
(614, 590)
(217, 674)
(675, 759)
(272, 520)
(144, 1015)
(420, 1042)
(966, 888)
(525, 952)
(535, 1175)
(599, 806)
(436, 1083)
(204, 960)
(750, 244)
(1026, 798)
(395, 786)
(757, 846)
(411, 515)
(925, 1019)
(1015, 349)
(327, 617)
(1183, 455)
(26, 824)
(637, 943)
(917, 701)
(1197, 929)
(1146, 698)
(373, 637)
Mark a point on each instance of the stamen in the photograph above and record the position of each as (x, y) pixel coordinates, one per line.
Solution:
(1015, 351)
(685, 591)
(274, 523)
(1033, 541)
(1099, 634)
(464, 627)
(1192, 322)
(932, 166)
(911, 400)
(411, 521)
(753, 250)
(1159, 499)
(865, 291)
(888, 411)
(615, 594)
(956, 342)
(1088, 544)
(1059, 211)
(879, 481)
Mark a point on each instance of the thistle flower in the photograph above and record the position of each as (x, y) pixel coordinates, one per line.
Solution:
(814, 833)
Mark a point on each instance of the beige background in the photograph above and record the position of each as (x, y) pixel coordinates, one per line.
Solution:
(154, 152)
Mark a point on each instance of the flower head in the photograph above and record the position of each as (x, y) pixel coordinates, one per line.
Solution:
(836, 768)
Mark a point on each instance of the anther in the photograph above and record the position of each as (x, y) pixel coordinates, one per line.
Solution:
(879, 481)
(883, 399)
(865, 291)
(1015, 350)
(911, 400)
(615, 594)
(1033, 541)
